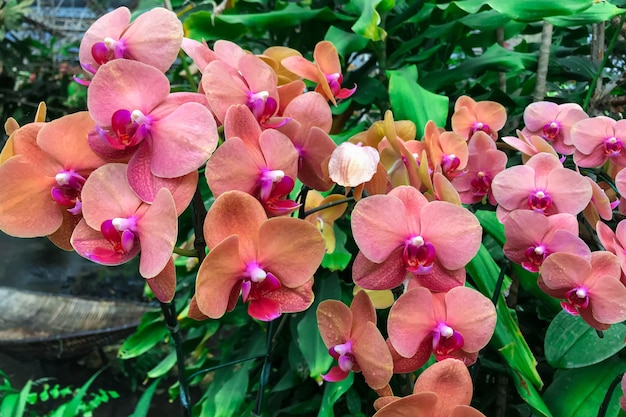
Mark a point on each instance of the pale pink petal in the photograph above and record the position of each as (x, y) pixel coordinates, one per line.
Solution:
(241, 123)
(570, 191)
(292, 300)
(224, 86)
(537, 115)
(491, 113)
(471, 314)
(334, 320)
(351, 165)
(310, 109)
(450, 380)
(111, 25)
(199, 52)
(382, 276)
(413, 202)
(402, 365)
(301, 67)
(512, 187)
(607, 300)
(89, 243)
(423, 404)
(372, 356)
(362, 309)
(163, 285)
(279, 153)
(232, 168)
(564, 271)
(606, 236)
(411, 320)
(588, 134)
(326, 56)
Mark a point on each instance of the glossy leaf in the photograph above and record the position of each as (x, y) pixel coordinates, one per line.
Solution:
(533, 10)
(143, 405)
(470, 6)
(598, 12)
(227, 393)
(572, 343)
(143, 340)
(487, 20)
(580, 392)
(410, 101)
(367, 23)
(345, 42)
(164, 366)
(333, 391)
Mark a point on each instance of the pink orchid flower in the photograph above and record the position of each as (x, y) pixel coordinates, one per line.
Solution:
(351, 336)
(154, 38)
(485, 161)
(529, 145)
(326, 71)
(470, 117)
(600, 205)
(429, 242)
(444, 389)
(456, 324)
(117, 225)
(531, 237)
(42, 182)
(597, 140)
(553, 122)
(447, 150)
(164, 135)
(589, 288)
(269, 262)
(614, 242)
(542, 185)
(263, 164)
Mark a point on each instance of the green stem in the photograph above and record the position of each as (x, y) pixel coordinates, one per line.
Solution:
(325, 206)
(198, 214)
(265, 371)
(592, 86)
(609, 393)
(190, 253)
(169, 313)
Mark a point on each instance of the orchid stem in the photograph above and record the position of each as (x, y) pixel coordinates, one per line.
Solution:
(609, 393)
(190, 253)
(498, 288)
(169, 313)
(327, 205)
(198, 214)
(192, 82)
(223, 365)
(267, 368)
(304, 191)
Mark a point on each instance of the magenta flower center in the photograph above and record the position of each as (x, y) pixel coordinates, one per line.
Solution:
(418, 255)
(449, 163)
(576, 298)
(445, 341)
(535, 256)
(67, 190)
(539, 201)
(344, 355)
(127, 129)
(262, 105)
(481, 127)
(256, 282)
(334, 82)
(612, 146)
(110, 49)
(121, 233)
(481, 184)
(268, 179)
(550, 130)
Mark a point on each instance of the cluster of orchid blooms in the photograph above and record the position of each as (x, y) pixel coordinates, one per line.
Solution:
(110, 183)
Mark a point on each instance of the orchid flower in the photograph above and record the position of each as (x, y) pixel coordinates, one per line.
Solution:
(447, 150)
(531, 237)
(470, 117)
(529, 145)
(326, 71)
(589, 288)
(351, 165)
(430, 242)
(117, 224)
(154, 38)
(597, 140)
(42, 182)
(351, 336)
(553, 123)
(444, 389)
(614, 242)
(269, 262)
(165, 135)
(542, 185)
(456, 324)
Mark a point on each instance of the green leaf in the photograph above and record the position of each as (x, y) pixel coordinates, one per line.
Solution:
(164, 366)
(495, 58)
(470, 6)
(9, 405)
(345, 42)
(598, 12)
(410, 101)
(226, 393)
(143, 340)
(370, 90)
(580, 392)
(578, 65)
(309, 339)
(143, 405)
(571, 343)
(71, 408)
(333, 391)
(533, 10)
(340, 258)
(367, 23)
(487, 20)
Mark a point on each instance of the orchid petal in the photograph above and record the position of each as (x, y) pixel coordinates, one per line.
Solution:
(411, 320)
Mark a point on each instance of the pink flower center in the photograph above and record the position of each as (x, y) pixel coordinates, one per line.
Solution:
(334, 82)
(277, 203)
(344, 355)
(268, 179)
(445, 341)
(127, 129)
(256, 282)
(262, 106)
(550, 131)
(418, 255)
(481, 127)
(67, 190)
(535, 256)
(449, 164)
(481, 184)
(121, 233)
(612, 146)
(576, 298)
(110, 49)
(539, 201)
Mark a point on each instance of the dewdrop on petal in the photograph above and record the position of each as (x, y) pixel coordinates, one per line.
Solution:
(351, 165)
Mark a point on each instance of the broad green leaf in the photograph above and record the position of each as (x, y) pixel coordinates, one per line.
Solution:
(470, 6)
(410, 101)
(367, 23)
(340, 258)
(332, 393)
(204, 25)
(571, 343)
(533, 10)
(370, 90)
(487, 20)
(309, 339)
(9, 405)
(485, 271)
(578, 65)
(226, 393)
(345, 42)
(164, 366)
(143, 405)
(598, 12)
(143, 340)
(580, 392)
(495, 58)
